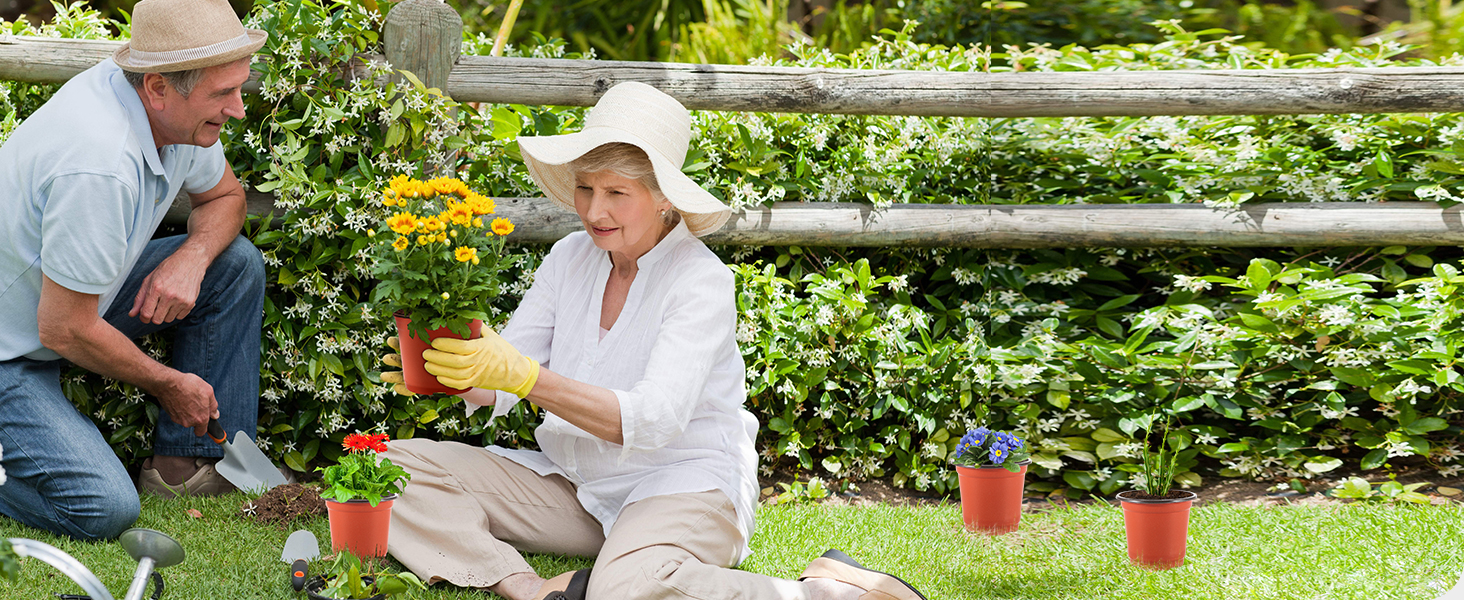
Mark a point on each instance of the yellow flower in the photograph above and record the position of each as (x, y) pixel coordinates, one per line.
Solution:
(402, 186)
(475, 260)
(459, 213)
(447, 185)
(402, 223)
(502, 226)
(441, 237)
(477, 222)
(434, 224)
(454, 233)
(401, 243)
(423, 240)
(466, 253)
(480, 204)
(446, 296)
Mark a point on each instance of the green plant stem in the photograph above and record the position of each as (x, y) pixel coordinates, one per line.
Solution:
(507, 27)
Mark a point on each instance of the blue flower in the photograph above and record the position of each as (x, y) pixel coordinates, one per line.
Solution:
(998, 453)
(973, 440)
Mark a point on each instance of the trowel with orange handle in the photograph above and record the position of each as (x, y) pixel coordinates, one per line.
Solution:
(300, 549)
(243, 464)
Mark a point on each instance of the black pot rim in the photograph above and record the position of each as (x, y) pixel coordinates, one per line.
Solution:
(317, 583)
(1187, 498)
(363, 500)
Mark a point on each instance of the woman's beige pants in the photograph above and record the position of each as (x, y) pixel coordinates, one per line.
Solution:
(467, 514)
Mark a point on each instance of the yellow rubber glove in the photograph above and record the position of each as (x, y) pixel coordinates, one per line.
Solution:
(395, 360)
(486, 362)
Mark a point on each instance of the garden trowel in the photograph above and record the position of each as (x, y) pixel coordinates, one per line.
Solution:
(243, 464)
(300, 549)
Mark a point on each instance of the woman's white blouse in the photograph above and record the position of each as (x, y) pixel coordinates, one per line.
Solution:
(672, 360)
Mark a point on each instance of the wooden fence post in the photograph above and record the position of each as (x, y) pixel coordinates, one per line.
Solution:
(424, 37)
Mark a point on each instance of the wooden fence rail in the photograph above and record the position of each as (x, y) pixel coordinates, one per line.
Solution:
(421, 32)
(875, 92)
(1031, 226)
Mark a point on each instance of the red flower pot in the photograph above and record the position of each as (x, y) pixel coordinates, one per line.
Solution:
(1156, 528)
(357, 526)
(991, 498)
(419, 381)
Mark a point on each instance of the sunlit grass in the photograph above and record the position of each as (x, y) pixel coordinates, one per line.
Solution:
(1302, 552)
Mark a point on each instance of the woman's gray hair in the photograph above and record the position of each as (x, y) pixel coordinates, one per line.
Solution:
(181, 81)
(628, 161)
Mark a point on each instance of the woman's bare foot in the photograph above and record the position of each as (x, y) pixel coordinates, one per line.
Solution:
(823, 588)
(519, 586)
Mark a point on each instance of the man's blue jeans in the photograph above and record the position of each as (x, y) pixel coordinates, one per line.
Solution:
(62, 475)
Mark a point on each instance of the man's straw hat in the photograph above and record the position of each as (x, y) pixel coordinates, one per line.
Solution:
(178, 35)
(640, 115)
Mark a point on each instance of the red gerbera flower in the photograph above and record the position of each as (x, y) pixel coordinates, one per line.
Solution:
(357, 442)
(378, 442)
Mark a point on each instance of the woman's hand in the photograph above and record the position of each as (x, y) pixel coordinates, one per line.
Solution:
(395, 360)
(486, 362)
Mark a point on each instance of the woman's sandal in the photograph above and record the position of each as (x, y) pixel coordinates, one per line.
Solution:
(566, 586)
(876, 585)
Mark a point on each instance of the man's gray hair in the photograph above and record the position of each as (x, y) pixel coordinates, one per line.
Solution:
(181, 81)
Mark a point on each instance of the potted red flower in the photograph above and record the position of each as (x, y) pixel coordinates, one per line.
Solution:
(992, 466)
(359, 493)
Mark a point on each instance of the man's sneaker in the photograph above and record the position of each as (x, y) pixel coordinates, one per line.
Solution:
(206, 482)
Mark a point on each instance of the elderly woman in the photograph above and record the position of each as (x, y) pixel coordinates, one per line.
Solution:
(626, 340)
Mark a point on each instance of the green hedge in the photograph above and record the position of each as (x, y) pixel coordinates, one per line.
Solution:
(871, 362)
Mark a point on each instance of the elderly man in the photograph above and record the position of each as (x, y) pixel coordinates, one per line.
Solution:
(84, 183)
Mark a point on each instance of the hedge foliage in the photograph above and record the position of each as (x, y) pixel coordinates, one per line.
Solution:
(872, 362)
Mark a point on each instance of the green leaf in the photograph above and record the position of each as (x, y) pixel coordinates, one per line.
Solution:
(1374, 459)
(1258, 275)
(1105, 434)
(1322, 464)
(1426, 425)
(296, 461)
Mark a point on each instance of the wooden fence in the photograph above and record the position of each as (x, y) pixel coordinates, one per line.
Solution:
(424, 36)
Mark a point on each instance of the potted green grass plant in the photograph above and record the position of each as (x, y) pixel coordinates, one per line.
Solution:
(1155, 515)
(347, 578)
(992, 468)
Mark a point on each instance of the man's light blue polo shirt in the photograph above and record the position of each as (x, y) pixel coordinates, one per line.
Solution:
(83, 188)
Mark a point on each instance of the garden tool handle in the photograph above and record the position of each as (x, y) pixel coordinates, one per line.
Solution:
(216, 432)
(298, 571)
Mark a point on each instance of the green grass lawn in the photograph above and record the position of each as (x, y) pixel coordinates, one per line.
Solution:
(1303, 552)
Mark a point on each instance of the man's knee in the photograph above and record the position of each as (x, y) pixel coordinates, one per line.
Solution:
(245, 261)
(101, 515)
(112, 516)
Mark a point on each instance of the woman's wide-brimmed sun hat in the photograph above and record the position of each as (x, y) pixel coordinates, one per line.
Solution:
(637, 114)
(178, 35)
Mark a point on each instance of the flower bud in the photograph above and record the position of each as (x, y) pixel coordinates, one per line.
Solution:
(446, 296)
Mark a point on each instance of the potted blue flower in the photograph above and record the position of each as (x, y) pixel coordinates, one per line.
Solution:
(992, 466)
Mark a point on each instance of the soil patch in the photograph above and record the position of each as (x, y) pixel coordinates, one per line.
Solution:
(284, 504)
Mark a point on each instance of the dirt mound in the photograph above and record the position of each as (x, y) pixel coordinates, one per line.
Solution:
(284, 504)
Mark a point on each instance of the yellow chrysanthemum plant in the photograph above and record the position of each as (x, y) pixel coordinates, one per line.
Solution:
(439, 257)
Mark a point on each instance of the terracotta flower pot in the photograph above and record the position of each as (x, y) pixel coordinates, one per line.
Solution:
(991, 498)
(357, 526)
(1157, 528)
(419, 381)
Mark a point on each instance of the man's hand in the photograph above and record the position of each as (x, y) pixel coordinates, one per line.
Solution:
(190, 402)
(169, 292)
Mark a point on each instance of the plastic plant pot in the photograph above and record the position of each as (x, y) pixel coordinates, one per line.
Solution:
(357, 526)
(1157, 528)
(418, 380)
(991, 498)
